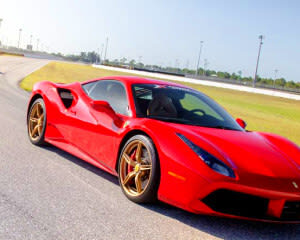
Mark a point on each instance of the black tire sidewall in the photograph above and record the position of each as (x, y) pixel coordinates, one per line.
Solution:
(150, 193)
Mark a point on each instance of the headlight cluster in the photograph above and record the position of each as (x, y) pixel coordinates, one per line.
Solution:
(209, 159)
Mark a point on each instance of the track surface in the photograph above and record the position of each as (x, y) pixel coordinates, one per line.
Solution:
(46, 193)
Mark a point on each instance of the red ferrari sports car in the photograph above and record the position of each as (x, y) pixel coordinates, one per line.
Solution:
(169, 142)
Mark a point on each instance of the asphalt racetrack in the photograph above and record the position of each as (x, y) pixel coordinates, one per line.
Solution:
(46, 193)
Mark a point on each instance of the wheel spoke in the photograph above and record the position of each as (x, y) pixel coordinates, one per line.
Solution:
(138, 182)
(35, 130)
(138, 153)
(40, 128)
(129, 160)
(41, 118)
(34, 120)
(129, 177)
(145, 167)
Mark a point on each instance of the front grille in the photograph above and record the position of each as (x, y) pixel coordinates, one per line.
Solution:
(236, 203)
(291, 211)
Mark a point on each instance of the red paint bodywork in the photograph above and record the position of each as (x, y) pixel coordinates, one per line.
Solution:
(265, 165)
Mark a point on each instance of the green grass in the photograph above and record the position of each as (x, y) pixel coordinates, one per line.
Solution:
(261, 112)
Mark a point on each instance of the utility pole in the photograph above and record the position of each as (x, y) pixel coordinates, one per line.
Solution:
(200, 51)
(106, 49)
(20, 32)
(261, 37)
(30, 40)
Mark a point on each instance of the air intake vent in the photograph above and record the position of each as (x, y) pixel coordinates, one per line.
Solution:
(291, 211)
(235, 203)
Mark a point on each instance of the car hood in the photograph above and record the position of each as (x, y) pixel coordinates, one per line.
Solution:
(249, 153)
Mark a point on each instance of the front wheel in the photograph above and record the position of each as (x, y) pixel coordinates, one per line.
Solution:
(139, 171)
(36, 122)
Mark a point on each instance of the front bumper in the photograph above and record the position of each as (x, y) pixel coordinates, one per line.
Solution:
(238, 201)
(264, 200)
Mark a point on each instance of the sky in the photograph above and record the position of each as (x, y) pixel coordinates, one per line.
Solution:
(161, 31)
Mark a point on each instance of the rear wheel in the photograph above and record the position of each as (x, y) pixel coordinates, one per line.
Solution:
(36, 122)
(139, 170)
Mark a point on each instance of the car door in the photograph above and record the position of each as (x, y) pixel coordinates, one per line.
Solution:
(95, 132)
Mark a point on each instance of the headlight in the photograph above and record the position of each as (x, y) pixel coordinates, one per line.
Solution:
(209, 159)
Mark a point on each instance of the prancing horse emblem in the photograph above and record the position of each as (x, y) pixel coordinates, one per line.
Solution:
(295, 184)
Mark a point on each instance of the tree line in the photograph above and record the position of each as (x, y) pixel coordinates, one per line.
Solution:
(93, 57)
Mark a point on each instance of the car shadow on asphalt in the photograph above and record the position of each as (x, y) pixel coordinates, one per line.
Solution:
(83, 164)
(224, 228)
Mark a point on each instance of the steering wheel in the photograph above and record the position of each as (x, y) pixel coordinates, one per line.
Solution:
(198, 110)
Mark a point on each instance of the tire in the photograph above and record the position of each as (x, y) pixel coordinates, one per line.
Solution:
(36, 122)
(138, 169)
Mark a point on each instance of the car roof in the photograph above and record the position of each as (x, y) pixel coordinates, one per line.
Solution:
(136, 80)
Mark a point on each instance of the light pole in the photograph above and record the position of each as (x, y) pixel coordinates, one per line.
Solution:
(261, 37)
(20, 32)
(200, 51)
(106, 49)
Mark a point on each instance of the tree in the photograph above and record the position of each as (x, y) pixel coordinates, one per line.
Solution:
(227, 75)
(92, 57)
(290, 84)
(220, 75)
(132, 63)
(123, 60)
(280, 82)
(234, 76)
(116, 62)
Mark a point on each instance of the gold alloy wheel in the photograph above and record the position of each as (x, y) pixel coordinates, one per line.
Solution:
(135, 168)
(36, 121)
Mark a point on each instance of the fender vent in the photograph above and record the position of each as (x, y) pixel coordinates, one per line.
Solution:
(66, 97)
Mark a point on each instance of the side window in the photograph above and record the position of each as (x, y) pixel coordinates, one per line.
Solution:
(143, 97)
(88, 87)
(113, 92)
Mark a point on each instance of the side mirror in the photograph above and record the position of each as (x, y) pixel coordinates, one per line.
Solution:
(104, 107)
(241, 122)
(101, 106)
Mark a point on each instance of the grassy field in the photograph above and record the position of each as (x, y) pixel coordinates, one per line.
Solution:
(261, 112)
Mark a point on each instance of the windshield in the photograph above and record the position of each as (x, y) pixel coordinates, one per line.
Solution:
(180, 105)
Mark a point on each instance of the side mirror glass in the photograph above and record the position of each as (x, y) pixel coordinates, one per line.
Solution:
(241, 122)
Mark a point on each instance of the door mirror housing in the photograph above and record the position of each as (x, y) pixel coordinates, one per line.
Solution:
(102, 106)
(241, 122)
